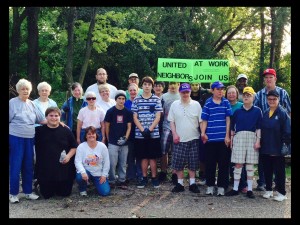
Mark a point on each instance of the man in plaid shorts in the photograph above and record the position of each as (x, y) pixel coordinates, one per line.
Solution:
(245, 140)
(184, 117)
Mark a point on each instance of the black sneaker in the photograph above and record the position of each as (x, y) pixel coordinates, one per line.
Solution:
(174, 179)
(162, 176)
(142, 183)
(178, 188)
(232, 193)
(123, 185)
(194, 188)
(250, 194)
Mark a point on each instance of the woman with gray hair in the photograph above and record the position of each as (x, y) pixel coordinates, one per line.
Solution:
(22, 116)
(43, 102)
(71, 107)
(91, 115)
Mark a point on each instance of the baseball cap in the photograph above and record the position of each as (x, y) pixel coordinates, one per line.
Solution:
(242, 76)
(270, 71)
(217, 84)
(120, 93)
(273, 93)
(249, 90)
(184, 87)
(133, 75)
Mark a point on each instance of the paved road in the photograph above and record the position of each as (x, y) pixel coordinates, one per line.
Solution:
(152, 203)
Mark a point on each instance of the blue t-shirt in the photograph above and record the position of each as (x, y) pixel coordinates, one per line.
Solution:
(246, 120)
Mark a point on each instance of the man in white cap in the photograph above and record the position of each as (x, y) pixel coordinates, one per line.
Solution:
(241, 83)
(133, 78)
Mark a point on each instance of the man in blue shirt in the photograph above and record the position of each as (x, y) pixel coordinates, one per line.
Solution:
(270, 79)
(215, 134)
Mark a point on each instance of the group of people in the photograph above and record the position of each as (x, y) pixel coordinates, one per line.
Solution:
(110, 137)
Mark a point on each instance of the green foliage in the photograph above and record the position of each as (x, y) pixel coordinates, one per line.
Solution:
(124, 36)
(108, 29)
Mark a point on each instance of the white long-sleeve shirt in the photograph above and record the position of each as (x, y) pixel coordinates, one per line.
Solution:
(96, 160)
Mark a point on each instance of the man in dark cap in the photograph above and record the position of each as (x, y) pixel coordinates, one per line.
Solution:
(270, 78)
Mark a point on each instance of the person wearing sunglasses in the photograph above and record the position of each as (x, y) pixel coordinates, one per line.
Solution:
(91, 115)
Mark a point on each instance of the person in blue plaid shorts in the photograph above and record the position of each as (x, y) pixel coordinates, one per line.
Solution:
(245, 140)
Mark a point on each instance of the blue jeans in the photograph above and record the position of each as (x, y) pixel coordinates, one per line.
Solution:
(134, 168)
(82, 135)
(117, 156)
(20, 160)
(102, 189)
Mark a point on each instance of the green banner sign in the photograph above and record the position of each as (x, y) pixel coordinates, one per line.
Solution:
(193, 70)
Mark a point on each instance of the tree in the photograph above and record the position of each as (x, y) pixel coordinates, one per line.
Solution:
(15, 39)
(33, 47)
(70, 49)
(89, 45)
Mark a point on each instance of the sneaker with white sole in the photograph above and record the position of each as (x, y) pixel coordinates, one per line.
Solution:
(210, 190)
(31, 196)
(268, 194)
(14, 199)
(280, 197)
(220, 191)
(202, 181)
(83, 193)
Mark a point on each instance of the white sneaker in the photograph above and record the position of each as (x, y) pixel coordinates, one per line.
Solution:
(210, 190)
(220, 191)
(14, 199)
(280, 197)
(31, 196)
(268, 194)
(83, 193)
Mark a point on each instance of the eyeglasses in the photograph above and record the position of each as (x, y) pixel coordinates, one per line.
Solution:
(247, 96)
(91, 98)
(272, 99)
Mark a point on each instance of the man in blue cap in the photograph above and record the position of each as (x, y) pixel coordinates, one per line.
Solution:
(215, 134)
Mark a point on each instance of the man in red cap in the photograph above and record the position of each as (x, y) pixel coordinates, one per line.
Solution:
(270, 78)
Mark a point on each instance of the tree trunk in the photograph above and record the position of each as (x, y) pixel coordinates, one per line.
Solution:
(70, 48)
(33, 48)
(282, 18)
(15, 40)
(89, 44)
(262, 47)
(273, 37)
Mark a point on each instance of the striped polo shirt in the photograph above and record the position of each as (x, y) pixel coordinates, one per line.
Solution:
(262, 103)
(146, 109)
(215, 115)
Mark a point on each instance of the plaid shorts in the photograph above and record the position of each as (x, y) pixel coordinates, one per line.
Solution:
(186, 152)
(166, 141)
(243, 148)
